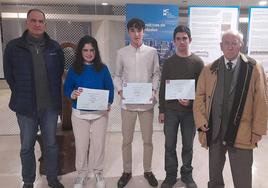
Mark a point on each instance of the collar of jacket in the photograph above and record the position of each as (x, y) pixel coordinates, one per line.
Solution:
(22, 42)
(216, 64)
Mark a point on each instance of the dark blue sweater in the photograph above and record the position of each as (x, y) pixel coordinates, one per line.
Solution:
(91, 79)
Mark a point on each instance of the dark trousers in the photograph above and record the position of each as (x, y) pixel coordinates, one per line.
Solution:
(240, 162)
(174, 119)
(47, 119)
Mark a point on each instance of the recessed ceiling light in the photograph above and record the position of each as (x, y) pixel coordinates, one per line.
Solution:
(262, 3)
(104, 4)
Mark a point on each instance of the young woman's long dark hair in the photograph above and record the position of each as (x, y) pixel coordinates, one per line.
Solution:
(78, 64)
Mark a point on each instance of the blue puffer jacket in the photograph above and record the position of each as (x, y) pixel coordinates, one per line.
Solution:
(18, 71)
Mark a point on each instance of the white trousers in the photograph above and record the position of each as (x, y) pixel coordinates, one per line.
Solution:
(89, 143)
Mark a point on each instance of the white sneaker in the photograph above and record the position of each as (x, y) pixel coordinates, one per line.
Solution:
(100, 181)
(80, 182)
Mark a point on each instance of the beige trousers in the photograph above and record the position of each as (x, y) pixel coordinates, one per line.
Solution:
(89, 143)
(128, 126)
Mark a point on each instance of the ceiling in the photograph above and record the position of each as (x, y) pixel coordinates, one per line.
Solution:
(182, 3)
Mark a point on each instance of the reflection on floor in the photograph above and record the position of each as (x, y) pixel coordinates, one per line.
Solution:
(10, 164)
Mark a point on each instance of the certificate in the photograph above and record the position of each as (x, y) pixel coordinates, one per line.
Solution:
(92, 99)
(137, 93)
(180, 89)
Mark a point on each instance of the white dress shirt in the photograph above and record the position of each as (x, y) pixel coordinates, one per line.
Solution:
(233, 61)
(137, 65)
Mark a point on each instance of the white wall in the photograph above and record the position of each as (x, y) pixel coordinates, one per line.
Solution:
(110, 35)
(116, 41)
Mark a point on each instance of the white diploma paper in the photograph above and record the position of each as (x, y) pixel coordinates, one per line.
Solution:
(137, 93)
(92, 99)
(180, 89)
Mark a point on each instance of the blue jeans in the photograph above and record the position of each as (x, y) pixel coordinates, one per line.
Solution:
(174, 119)
(47, 120)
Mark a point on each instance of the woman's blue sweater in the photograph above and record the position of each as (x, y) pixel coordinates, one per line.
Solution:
(91, 79)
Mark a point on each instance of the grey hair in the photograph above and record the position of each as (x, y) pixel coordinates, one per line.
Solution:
(235, 33)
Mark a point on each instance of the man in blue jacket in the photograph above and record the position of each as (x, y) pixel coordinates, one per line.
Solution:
(33, 66)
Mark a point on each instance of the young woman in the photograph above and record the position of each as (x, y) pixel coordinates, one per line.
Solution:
(89, 126)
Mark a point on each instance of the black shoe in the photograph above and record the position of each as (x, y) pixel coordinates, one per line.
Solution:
(55, 184)
(167, 184)
(124, 179)
(27, 185)
(151, 179)
(189, 182)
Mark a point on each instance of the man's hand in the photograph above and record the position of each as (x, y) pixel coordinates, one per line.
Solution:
(255, 138)
(184, 102)
(202, 137)
(153, 96)
(204, 128)
(161, 118)
(120, 93)
(109, 108)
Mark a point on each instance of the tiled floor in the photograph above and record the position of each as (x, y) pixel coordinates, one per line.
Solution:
(10, 164)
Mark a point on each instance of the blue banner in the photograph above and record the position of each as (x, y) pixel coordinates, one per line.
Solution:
(160, 22)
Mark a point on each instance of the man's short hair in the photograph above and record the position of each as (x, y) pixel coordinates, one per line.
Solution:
(182, 29)
(136, 23)
(35, 10)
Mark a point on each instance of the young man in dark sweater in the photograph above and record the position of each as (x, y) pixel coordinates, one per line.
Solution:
(175, 113)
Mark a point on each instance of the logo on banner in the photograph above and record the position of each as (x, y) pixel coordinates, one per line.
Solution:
(166, 12)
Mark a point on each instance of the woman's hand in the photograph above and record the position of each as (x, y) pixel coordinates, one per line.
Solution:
(75, 94)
